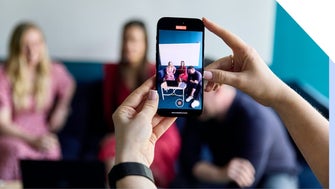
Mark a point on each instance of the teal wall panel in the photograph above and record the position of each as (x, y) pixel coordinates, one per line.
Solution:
(296, 56)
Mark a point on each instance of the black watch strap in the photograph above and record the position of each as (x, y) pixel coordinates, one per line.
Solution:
(128, 168)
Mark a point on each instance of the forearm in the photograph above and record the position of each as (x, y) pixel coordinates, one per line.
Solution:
(11, 130)
(309, 129)
(65, 99)
(62, 109)
(209, 173)
(58, 117)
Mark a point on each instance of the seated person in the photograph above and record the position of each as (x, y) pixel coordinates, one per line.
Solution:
(194, 86)
(30, 116)
(170, 70)
(120, 80)
(247, 145)
(182, 72)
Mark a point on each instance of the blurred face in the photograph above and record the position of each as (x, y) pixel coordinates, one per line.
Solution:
(218, 101)
(32, 46)
(210, 103)
(134, 45)
(192, 70)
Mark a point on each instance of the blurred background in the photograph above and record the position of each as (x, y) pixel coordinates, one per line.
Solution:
(85, 34)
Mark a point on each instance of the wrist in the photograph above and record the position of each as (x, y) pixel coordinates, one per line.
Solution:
(28, 139)
(125, 169)
(129, 155)
(284, 95)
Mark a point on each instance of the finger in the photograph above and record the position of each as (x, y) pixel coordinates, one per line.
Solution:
(136, 97)
(240, 177)
(156, 120)
(247, 172)
(216, 87)
(233, 41)
(150, 105)
(161, 127)
(209, 87)
(224, 63)
(225, 77)
(249, 167)
(245, 178)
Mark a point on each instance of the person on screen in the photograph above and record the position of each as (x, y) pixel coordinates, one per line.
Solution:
(170, 70)
(194, 86)
(120, 80)
(30, 115)
(182, 72)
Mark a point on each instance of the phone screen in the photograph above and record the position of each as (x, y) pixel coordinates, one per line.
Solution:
(179, 64)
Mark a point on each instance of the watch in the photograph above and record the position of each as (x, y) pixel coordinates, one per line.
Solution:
(126, 169)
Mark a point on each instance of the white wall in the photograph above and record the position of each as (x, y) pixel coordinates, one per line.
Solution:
(90, 30)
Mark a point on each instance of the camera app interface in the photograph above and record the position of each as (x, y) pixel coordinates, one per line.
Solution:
(179, 82)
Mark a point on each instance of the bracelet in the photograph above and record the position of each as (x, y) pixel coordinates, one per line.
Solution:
(128, 168)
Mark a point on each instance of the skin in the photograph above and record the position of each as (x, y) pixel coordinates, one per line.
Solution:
(136, 119)
(134, 46)
(238, 169)
(134, 49)
(247, 71)
(32, 47)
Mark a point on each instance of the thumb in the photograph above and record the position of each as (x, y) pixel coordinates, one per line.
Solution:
(151, 104)
(222, 77)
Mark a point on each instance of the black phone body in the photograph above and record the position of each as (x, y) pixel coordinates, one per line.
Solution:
(179, 66)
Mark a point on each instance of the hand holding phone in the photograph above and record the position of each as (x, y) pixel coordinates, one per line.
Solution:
(179, 66)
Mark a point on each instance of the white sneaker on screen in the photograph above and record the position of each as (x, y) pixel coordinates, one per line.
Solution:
(189, 98)
(195, 103)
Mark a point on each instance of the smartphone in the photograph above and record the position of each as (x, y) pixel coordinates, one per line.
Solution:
(179, 66)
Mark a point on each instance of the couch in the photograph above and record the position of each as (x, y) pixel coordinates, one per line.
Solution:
(85, 126)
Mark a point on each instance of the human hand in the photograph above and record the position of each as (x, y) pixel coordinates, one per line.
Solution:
(138, 127)
(240, 171)
(245, 69)
(45, 143)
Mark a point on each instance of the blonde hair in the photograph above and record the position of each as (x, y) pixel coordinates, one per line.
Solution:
(16, 69)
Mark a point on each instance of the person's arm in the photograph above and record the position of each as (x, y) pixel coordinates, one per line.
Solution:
(137, 128)
(65, 89)
(309, 130)
(238, 170)
(9, 128)
(198, 77)
(62, 109)
(246, 71)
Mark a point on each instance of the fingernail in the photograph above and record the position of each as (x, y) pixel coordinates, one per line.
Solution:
(152, 95)
(208, 75)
